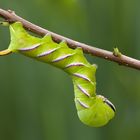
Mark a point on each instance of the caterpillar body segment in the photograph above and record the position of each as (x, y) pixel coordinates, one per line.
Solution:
(93, 110)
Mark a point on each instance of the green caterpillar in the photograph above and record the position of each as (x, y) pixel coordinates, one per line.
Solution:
(93, 110)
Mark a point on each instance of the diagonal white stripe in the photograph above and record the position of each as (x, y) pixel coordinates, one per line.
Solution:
(30, 47)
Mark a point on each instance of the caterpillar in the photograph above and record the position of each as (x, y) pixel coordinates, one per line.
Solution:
(92, 109)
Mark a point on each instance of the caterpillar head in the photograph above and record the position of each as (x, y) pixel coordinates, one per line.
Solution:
(98, 112)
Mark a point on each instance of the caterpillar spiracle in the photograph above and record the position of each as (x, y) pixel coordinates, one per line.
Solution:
(93, 110)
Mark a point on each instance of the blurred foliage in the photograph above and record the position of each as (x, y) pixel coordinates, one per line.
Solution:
(36, 99)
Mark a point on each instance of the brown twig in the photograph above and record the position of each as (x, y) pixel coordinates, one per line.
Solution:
(10, 16)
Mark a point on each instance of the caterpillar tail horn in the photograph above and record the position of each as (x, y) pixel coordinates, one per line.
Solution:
(5, 52)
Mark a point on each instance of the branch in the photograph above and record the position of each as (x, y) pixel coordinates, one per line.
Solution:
(10, 16)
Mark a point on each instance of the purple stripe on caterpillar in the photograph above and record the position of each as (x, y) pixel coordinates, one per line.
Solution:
(81, 76)
(82, 104)
(46, 52)
(83, 90)
(74, 64)
(62, 58)
(30, 47)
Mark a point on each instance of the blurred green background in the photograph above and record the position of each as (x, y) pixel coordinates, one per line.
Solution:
(37, 100)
